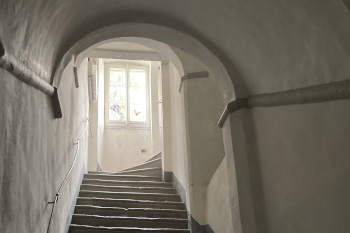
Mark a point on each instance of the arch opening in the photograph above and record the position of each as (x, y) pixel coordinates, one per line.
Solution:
(163, 34)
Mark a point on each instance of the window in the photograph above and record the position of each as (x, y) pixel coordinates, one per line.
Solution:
(127, 95)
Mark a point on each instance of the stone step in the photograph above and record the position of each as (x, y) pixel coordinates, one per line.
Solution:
(146, 171)
(121, 221)
(153, 171)
(156, 156)
(130, 212)
(122, 177)
(148, 164)
(130, 203)
(95, 229)
(131, 195)
(127, 183)
(92, 187)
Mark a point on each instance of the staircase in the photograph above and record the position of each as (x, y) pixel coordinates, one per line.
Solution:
(131, 201)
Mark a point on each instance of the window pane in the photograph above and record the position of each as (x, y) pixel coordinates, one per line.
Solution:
(137, 78)
(137, 95)
(137, 112)
(117, 112)
(117, 94)
(117, 77)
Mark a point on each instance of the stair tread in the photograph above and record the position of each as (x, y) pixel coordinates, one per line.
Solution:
(132, 181)
(131, 193)
(127, 171)
(128, 187)
(132, 209)
(129, 218)
(130, 200)
(129, 228)
(129, 182)
(121, 175)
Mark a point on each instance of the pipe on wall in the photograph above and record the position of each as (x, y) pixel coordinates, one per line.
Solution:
(23, 73)
(26, 75)
(202, 74)
(313, 94)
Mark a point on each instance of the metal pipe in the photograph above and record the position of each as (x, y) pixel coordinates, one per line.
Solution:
(23, 73)
(313, 94)
(202, 74)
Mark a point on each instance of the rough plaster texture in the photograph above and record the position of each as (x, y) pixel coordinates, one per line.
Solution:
(173, 130)
(299, 167)
(101, 113)
(120, 148)
(255, 39)
(202, 106)
(36, 151)
(219, 212)
(192, 141)
(156, 141)
(265, 46)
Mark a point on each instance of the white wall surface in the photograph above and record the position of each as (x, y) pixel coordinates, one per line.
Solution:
(203, 105)
(101, 112)
(300, 167)
(96, 128)
(120, 148)
(219, 211)
(93, 127)
(37, 150)
(156, 141)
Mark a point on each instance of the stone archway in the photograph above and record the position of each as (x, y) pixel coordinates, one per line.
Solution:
(159, 33)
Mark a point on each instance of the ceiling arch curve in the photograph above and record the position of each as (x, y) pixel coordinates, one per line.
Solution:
(155, 32)
(161, 48)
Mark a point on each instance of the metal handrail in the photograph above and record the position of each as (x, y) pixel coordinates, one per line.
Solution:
(54, 202)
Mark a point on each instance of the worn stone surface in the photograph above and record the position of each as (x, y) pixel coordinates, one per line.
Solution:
(36, 151)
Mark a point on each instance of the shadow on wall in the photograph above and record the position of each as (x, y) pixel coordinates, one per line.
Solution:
(347, 3)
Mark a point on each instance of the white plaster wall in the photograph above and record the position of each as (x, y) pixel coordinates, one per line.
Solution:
(120, 148)
(166, 116)
(219, 212)
(101, 112)
(203, 105)
(173, 128)
(96, 128)
(93, 132)
(156, 141)
(193, 142)
(37, 150)
(300, 167)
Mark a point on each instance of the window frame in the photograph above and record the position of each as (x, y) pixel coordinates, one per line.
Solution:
(127, 66)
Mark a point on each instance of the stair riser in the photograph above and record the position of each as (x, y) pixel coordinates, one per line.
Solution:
(102, 212)
(124, 204)
(116, 189)
(157, 172)
(84, 230)
(104, 177)
(143, 173)
(111, 183)
(157, 163)
(129, 223)
(130, 196)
